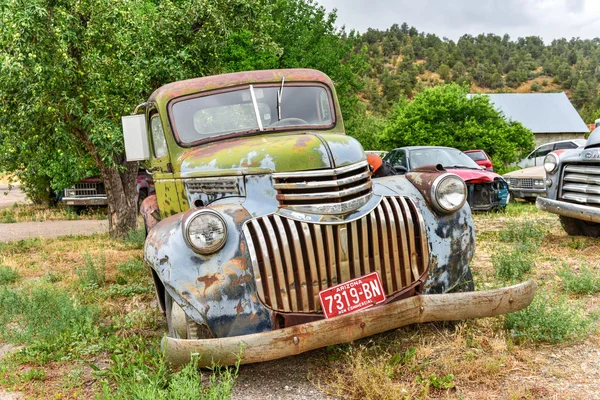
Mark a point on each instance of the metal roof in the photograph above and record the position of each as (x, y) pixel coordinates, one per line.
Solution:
(540, 112)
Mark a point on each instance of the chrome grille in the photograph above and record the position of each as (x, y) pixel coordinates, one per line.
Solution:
(330, 191)
(213, 185)
(89, 189)
(581, 184)
(523, 183)
(293, 261)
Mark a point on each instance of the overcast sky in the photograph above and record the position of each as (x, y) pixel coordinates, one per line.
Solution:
(549, 19)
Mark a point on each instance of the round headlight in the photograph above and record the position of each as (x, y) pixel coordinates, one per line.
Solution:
(205, 231)
(448, 193)
(551, 163)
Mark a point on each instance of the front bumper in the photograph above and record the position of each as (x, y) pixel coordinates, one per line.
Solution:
(525, 193)
(577, 211)
(85, 201)
(298, 339)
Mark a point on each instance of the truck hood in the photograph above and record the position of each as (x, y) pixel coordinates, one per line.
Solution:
(537, 172)
(270, 153)
(474, 175)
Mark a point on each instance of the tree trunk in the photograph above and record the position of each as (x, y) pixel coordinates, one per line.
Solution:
(122, 204)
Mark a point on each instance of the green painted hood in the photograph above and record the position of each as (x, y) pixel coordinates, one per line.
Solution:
(271, 153)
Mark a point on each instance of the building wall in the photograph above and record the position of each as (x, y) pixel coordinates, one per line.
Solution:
(541, 138)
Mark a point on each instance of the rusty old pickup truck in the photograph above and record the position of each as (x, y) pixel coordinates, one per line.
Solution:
(262, 203)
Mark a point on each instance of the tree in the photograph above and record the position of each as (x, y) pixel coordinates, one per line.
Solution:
(444, 72)
(70, 69)
(444, 116)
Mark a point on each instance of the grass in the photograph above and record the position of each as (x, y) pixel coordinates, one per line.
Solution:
(550, 319)
(34, 212)
(513, 264)
(8, 275)
(584, 281)
(526, 231)
(93, 274)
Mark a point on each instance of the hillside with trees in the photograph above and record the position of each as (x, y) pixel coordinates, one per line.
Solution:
(403, 61)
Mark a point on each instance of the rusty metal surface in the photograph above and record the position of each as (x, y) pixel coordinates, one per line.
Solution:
(149, 211)
(324, 256)
(345, 328)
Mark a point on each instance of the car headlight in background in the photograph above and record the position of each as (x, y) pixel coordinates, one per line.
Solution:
(70, 193)
(448, 193)
(551, 163)
(205, 231)
(539, 183)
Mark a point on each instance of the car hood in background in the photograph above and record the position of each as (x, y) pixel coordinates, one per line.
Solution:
(474, 175)
(531, 172)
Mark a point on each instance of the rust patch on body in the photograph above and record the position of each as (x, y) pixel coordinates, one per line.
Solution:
(208, 280)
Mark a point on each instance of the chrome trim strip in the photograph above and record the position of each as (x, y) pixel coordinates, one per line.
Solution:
(321, 184)
(324, 195)
(576, 187)
(321, 172)
(589, 169)
(582, 179)
(332, 208)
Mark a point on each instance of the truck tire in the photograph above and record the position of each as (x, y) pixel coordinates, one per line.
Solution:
(176, 318)
(577, 227)
(466, 284)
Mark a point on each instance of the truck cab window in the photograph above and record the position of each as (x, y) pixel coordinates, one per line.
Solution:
(158, 137)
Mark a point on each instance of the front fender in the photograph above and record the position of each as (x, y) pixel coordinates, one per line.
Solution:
(451, 237)
(217, 290)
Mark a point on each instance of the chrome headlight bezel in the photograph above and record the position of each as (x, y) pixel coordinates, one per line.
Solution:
(194, 218)
(551, 163)
(435, 198)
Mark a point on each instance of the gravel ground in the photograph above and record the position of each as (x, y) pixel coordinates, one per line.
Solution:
(287, 378)
(15, 195)
(50, 229)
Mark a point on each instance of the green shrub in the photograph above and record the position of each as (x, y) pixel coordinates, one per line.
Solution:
(136, 238)
(587, 281)
(93, 274)
(513, 264)
(42, 315)
(524, 232)
(132, 266)
(549, 320)
(8, 275)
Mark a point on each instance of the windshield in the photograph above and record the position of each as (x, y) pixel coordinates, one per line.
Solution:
(448, 157)
(476, 155)
(250, 109)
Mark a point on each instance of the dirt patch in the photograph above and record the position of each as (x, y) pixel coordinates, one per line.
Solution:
(50, 229)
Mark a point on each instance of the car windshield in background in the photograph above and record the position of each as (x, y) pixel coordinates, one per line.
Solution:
(449, 158)
(476, 155)
(251, 110)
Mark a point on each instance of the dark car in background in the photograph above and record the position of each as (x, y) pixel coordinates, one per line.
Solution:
(481, 158)
(485, 190)
(91, 192)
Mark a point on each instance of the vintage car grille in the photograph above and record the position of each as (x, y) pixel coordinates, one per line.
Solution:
(521, 183)
(293, 261)
(581, 184)
(88, 189)
(213, 185)
(329, 191)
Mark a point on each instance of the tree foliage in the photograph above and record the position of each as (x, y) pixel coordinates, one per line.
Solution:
(445, 116)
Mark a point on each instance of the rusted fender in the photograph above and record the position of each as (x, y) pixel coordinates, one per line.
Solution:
(149, 211)
(298, 339)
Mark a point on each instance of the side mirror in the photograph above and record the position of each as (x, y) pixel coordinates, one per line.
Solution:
(136, 138)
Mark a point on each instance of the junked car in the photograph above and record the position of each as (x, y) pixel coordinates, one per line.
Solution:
(481, 158)
(527, 183)
(485, 190)
(536, 157)
(573, 187)
(268, 234)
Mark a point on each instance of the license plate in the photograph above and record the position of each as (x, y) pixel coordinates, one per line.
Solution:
(353, 295)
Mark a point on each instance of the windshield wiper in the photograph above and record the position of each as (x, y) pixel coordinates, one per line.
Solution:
(279, 96)
(256, 111)
(459, 167)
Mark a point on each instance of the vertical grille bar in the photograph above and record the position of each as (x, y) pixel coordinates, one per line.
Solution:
(423, 239)
(403, 242)
(375, 242)
(395, 270)
(299, 264)
(289, 266)
(312, 280)
(366, 263)
(321, 261)
(383, 231)
(411, 238)
(331, 262)
(254, 260)
(267, 272)
(278, 271)
(341, 247)
(353, 238)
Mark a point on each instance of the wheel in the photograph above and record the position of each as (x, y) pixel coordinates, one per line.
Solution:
(466, 284)
(577, 227)
(289, 121)
(176, 318)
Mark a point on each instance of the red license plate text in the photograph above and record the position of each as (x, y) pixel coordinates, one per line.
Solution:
(353, 295)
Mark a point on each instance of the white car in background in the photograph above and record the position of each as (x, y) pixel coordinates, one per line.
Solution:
(527, 183)
(536, 157)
